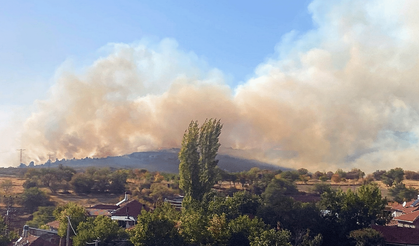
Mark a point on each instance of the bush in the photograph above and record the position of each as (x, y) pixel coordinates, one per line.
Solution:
(290, 175)
(366, 237)
(411, 175)
(393, 177)
(29, 184)
(41, 217)
(336, 178)
(32, 198)
(82, 183)
(378, 174)
(317, 175)
(401, 193)
(323, 178)
(321, 188)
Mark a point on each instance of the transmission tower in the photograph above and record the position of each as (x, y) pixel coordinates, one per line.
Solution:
(21, 155)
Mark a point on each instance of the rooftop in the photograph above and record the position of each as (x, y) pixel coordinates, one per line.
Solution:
(409, 217)
(400, 235)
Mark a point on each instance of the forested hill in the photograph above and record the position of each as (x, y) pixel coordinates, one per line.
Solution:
(162, 161)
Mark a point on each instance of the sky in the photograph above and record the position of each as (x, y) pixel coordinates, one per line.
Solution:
(234, 36)
(317, 84)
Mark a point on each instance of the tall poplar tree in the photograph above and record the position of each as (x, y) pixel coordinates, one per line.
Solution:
(197, 168)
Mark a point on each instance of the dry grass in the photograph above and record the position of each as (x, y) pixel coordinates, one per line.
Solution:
(17, 184)
(86, 200)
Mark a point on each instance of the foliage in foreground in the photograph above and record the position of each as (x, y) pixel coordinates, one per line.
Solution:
(367, 237)
(349, 211)
(70, 211)
(101, 228)
(166, 226)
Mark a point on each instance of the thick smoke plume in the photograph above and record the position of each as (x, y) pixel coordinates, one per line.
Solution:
(343, 95)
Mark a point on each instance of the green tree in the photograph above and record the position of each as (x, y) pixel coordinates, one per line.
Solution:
(277, 189)
(272, 237)
(286, 213)
(157, 228)
(193, 226)
(70, 211)
(348, 211)
(32, 198)
(290, 175)
(159, 191)
(320, 188)
(393, 177)
(378, 174)
(197, 168)
(241, 203)
(218, 229)
(5, 236)
(302, 171)
(49, 179)
(118, 180)
(102, 228)
(41, 217)
(243, 228)
(82, 183)
(367, 237)
(412, 175)
(308, 240)
(401, 193)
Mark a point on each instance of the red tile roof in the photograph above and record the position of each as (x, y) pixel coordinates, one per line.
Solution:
(409, 217)
(97, 212)
(32, 240)
(41, 242)
(54, 224)
(395, 234)
(105, 206)
(132, 208)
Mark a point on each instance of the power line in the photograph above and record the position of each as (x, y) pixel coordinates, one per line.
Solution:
(71, 225)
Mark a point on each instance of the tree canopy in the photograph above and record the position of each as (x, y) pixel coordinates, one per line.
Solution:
(101, 228)
(72, 211)
(32, 198)
(197, 168)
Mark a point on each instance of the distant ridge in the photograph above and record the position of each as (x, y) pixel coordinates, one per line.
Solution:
(161, 160)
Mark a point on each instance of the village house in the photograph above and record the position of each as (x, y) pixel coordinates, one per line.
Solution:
(403, 229)
(124, 212)
(37, 237)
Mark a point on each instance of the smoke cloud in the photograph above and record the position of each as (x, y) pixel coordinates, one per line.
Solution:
(343, 95)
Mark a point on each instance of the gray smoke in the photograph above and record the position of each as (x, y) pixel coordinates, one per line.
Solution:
(343, 95)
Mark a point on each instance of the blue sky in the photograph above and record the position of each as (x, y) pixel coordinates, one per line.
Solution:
(233, 36)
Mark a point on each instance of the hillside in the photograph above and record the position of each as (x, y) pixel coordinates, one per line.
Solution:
(162, 161)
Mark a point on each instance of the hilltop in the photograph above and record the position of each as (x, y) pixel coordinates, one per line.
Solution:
(162, 161)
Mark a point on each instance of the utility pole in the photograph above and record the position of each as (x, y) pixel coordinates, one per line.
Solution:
(68, 232)
(21, 155)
